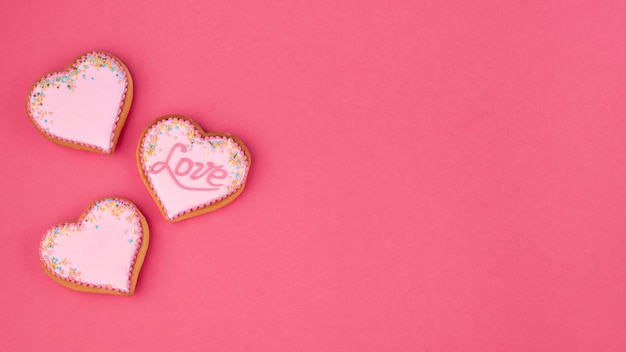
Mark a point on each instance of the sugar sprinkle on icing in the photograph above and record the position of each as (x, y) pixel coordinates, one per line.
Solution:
(109, 209)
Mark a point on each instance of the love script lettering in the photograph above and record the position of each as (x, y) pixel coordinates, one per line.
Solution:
(187, 169)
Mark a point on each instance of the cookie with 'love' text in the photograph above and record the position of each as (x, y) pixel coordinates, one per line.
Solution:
(85, 105)
(188, 171)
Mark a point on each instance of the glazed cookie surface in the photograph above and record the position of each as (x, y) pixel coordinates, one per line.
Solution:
(101, 252)
(190, 172)
(85, 105)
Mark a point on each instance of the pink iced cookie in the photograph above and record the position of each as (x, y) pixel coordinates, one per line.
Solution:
(84, 106)
(101, 252)
(190, 172)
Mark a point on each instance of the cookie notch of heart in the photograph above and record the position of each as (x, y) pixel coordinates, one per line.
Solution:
(85, 105)
(189, 172)
(101, 252)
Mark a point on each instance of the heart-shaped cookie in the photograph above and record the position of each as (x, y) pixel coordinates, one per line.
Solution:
(101, 252)
(84, 106)
(190, 172)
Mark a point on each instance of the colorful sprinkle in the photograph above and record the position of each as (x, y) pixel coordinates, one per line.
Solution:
(68, 79)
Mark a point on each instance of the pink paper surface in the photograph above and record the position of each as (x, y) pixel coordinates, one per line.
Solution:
(427, 176)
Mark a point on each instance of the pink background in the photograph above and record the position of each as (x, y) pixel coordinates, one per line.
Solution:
(428, 176)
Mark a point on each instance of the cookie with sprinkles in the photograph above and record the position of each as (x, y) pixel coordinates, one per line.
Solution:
(85, 105)
(101, 252)
(188, 171)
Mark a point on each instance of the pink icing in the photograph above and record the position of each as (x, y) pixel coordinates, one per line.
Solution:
(188, 171)
(83, 104)
(178, 174)
(97, 251)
